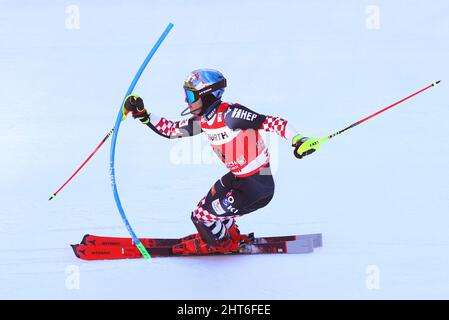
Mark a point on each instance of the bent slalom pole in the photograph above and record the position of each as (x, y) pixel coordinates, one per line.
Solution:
(317, 143)
(120, 116)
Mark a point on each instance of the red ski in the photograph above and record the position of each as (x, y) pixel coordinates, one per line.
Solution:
(93, 240)
(266, 245)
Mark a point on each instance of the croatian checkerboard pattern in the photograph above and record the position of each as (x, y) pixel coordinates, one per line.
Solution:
(275, 124)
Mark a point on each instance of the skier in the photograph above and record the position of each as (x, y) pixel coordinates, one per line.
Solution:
(233, 132)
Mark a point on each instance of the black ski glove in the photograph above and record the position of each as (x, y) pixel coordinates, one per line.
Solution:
(134, 104)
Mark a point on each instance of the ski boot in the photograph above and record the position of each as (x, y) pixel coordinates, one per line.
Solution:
(235, 235)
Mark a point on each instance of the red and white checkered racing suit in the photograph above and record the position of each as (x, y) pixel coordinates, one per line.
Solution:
(233, 132)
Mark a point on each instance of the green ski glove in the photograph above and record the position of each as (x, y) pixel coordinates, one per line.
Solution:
(304, 146)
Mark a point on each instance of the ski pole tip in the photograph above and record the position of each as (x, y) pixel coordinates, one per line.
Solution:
(435, 83)
(52, 196)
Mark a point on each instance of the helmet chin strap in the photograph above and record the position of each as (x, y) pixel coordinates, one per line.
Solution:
(187, 111)
(207, 102)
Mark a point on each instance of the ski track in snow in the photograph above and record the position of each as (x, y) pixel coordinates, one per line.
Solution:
(378, 193)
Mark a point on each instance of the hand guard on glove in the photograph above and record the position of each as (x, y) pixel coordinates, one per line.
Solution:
(304, 146)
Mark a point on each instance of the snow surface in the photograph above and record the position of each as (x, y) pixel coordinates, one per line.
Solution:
(378, 193)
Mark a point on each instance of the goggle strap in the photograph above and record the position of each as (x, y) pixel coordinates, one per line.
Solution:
(212, 88)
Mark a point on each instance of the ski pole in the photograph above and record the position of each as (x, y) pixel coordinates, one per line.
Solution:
(316, 144)
(54, 194)
(82, 165)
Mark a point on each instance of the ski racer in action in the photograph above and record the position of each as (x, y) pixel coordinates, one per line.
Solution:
(233, 133)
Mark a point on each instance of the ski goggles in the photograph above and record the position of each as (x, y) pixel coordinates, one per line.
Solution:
(191, 96)
(194, 95)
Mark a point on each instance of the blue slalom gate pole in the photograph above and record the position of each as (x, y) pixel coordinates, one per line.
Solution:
(120, 117)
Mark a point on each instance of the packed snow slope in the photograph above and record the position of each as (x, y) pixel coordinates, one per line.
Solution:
(378, 193)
